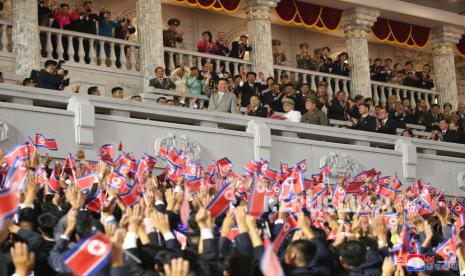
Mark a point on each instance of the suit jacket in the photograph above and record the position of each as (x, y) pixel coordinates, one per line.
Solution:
(429, 119)
(235, 50)
(424, 81)
(389, 127)
(259, 112)
(367, 123)
(337, 111)
(248, 91)
(164, 84)
(227, 103)
(451, 136)
(273, 101)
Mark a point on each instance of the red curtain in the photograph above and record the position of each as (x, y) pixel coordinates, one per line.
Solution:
(400, 33)
(218, 5)
(461, 46)
(309, 15)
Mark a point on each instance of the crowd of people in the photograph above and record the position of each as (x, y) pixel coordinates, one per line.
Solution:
(123, 217)
(401, 76)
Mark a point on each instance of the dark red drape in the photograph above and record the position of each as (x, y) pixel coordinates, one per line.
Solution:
(461, 46)
(309, 15)
(224, 5)
(400, 33)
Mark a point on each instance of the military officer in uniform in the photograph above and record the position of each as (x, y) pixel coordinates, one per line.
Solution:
(171, 36)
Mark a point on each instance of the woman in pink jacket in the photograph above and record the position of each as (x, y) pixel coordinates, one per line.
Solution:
(205, 45)
(63, 16)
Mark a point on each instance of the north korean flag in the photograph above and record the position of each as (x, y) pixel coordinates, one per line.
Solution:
(338, 195)
(269, 174)
(41, 141)
(384, 181)
(425, 197)
(362, 177)
(302, 165)
(94, 203)
(269, 263)
(258, 198)
(396, 184)
(252, 166)
(151, 161)
(354, 187)
(21, 151)
(16, 176)
(193, 170)
(284, 171)
(223, 165)
(133, 196)
(90, 255)
(286, 188)
(85, 182)
(10, 201)
(289, 226)
(383, 191)
(141, 168)
(41, 175)
(106, 153)
(54, 184)
(403, 242)
(220, 202)
(298, 186)
(447, 248)
(117, 181)
(174, 158)
(390, 220)
(325, 170)
(458, 208)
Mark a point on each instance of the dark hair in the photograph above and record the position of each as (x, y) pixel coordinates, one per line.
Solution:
(114, 89)
(195, 68)
(447, 104)
(343, 54)
(64, 5)
(160, 98)
(409, 62)
(302, 45)
(270, 78)
(289, 85)
(209, 35)
(159, 67)
(378, 59)
(368, 99)
(409, 131)
(91, 90)
(365, 105)
(243, 36)
(47, 222)
(327, 48)
(427, 65)
(28, 81)
(222, 79)
(434, 105)
(86, 224)
(358, 98)
(50, 62)
(305, 250)
(353, 253)
(87, 2)
(386, 59)
(304, 84)
(239, 265)
(237, 76)
(251, 73)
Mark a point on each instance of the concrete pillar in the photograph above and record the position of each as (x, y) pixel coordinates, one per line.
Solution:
(84, 120)
(26, 43)
(356, 22)
(262, 139)
(444, 39)
(259, 28)
(409, 158)
(150, 37)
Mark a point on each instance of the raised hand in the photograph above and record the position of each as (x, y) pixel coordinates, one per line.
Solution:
(23, 260)
(71, 221)
(135, 217)
(203, 218)
(117, 259)
(241, 214)
(228, 223)
(304, 224)
(161, 222)
(178, 267)
(74, 197)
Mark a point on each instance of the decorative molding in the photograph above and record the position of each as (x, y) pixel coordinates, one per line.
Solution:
(179, 142)
(3, 131)
(341, 165)
(357, 21)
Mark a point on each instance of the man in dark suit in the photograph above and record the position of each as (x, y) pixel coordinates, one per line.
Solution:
(249, 88)
(432, 118)
(160, 81)
(338, 109)
(238, 48)
(385, 124)
(50, 77)
(446, 134)
(424, 79)
(255, 109)
(273, 98)
(366, 122)
(290, 93)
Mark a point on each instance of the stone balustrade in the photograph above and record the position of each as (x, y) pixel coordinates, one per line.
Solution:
(5, 38)
(382, 90)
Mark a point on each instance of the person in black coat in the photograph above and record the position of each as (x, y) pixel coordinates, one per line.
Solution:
(273, 98)
(385, 124)
(431, 119)
(255, 108)
(338, 109)
(445, 133)
(249, 88)
(160, 81)
(50, 77)
(366, 122)
(424, 79)
(341, 66)
(299, 101)
(238, 48)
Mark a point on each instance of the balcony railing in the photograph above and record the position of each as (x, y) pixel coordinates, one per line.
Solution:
(335, 82)
(382, 90)
(82, 48)
(6, 47)
(188, 58)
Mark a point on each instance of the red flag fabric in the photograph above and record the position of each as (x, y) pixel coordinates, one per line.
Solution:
(10, 202)
(269, 263)
(258, 198)
(21, 151)
(41, 141)
(289, 226)
(85, 182)
(220, 202)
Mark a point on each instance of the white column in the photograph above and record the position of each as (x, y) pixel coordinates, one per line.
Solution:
(444, 39)
(151, 37)
(26, 43)
(356, 23)
(259, 27)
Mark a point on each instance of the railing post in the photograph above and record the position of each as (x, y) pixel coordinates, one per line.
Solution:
(122, 56)
(81, 53)
(92, 54)
(409, 158)
(262, 139)
(84, 120)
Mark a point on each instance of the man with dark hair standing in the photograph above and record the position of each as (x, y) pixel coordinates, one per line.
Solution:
(338, 109)
(366, 121)
(93, 90)
(238, 48)
(385, 124)
(50, 77)
(160, 81)
(274, 98)
(432, 118)
(249, 88)
(424, 79)
(290, 93)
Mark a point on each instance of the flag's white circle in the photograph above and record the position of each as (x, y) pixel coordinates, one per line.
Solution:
(103, 152)
(96, 248)
(264, 166)
(340, 190)
(260, 188)
(229, 195)
(41, 140)
(286, 227)
(116, 181)
(392, 221)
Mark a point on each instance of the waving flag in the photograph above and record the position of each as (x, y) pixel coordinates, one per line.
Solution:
(292, 206)
(220, 202)
(354, 188)
(338, 195)
(269, 174)
(284, 171)
(175, 159)
(140, 169)
(258, 199)
(41, 175)
(133, 196)
(117, 181)
(269, 263)
(396, 184)
(85, 182)
(151, 161)
(21, 151)
(286, 188)
(362, 177)
(403, 242)
(458, 208)
(446, 249)
(193, 170)
(390, 220)
(120, 146)
(384, 191)
(54, 183)
(16, 176)
(90, 255)
(41, 141)
(252, 166)
(384, 181)
(289, 226)
(10, 202)
(223, 165)
(106, 153)
(302, 165)
(95, 202)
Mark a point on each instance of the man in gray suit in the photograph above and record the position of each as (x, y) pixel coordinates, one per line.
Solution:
(222, 100)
